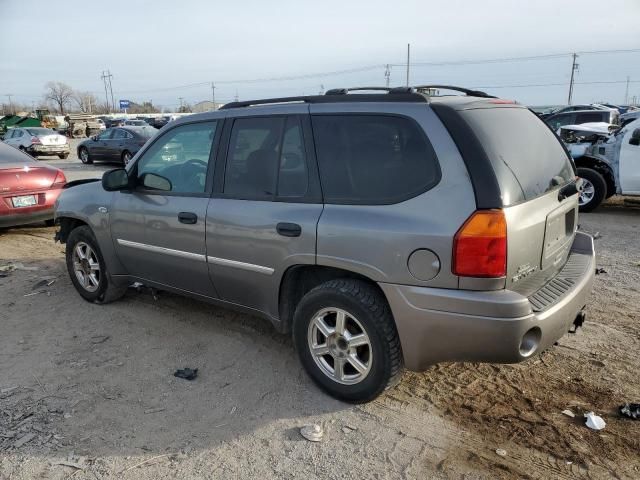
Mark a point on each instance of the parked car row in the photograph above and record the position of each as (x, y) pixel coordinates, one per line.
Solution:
(38, 141)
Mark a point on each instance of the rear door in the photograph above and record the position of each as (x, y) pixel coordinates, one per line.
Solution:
(159, 235)
(264, 214)
(531, 166)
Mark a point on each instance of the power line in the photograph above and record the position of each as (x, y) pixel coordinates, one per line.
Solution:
(563, 84)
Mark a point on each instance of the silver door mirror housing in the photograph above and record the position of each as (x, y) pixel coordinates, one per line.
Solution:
(115, 180)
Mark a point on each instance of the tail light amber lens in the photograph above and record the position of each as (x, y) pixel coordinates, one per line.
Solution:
(480, 246)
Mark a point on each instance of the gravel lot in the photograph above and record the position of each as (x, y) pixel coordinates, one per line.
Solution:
(88, 391)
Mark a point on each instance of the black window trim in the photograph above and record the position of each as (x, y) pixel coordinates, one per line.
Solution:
(211, 167)
(313, 194)
(399, 198)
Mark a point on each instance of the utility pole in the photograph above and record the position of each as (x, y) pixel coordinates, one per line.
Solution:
(626, 92)
(387, 74)
(180, 98)
(574, 69)
(213, 96)
(106, 78)
(235, 99)
(408, 61)
(321, 92)
(10, 104)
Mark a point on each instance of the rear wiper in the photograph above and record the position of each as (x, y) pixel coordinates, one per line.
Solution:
(570, 189)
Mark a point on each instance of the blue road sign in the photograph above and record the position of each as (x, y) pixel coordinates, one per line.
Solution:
(124, 104)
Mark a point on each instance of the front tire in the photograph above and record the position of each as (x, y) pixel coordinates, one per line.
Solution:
(347, 340)
(87, 268)
(84, 155)
(126, 157)
(594, 189)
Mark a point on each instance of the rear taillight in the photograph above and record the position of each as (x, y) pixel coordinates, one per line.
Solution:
(60, 180)
(35, 141)
(480, 246)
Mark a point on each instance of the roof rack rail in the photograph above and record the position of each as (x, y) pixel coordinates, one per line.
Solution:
(344, 91)
(466, 91)
(405, 96)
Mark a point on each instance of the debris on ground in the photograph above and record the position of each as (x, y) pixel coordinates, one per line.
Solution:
(23, 439)
(600, 271)
(154, 410)
(10, 267)
(65, 463)
(501, 452)
(313, 433)
(594, 422)
(36, 293)
(596, 236)
(568, 413)
(44, 282)
(186, 373)
(99, 339)
(348, 429)
(630, 410)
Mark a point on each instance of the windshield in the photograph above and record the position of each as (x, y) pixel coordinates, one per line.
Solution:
(528, 159)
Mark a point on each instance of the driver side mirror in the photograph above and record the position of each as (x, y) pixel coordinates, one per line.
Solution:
(115, 180)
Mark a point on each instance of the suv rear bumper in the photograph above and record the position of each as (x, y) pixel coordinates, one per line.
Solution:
(438, 325)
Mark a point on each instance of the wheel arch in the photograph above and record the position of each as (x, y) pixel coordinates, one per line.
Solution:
(67, 225)
(298, 280)
(603, 169)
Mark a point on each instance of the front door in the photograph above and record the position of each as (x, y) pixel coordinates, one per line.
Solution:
(630, 160)
(98, 146)
(263, 217)
(158, 228)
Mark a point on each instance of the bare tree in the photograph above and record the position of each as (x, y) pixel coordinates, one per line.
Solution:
(59, 93)
(85, 101)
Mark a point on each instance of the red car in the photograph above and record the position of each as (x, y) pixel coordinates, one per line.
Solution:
(28, 188)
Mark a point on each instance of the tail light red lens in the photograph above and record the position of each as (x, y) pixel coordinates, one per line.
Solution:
(60, 180)
(480, 246)
(35, 141)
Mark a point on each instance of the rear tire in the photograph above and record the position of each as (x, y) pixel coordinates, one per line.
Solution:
(85, 156)
(87, 268)
(594, 189)
(363, 361)
(126, 157)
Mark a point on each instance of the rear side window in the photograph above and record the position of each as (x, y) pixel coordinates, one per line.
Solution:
(589, 117)
(266, 159)
(528, 159)
(373, 159)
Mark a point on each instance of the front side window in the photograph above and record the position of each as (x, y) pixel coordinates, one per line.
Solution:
(373, 159)
(181, 156)
(266, 159)
(119, 134)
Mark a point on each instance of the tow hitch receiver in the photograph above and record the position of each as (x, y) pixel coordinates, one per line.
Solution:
(577, 323)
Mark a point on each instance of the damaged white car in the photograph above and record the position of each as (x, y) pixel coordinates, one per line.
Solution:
(607, 158)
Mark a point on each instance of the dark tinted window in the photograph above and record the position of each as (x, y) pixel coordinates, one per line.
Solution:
(293, 179)
(107, 134)
(590, 117)
(119, 134)
(373, 159)
(528, 159)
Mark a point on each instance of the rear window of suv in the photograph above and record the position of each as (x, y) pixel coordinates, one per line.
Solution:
(528, 159)
(373, 159)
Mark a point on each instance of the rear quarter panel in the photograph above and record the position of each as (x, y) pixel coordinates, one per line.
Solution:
(377, 240)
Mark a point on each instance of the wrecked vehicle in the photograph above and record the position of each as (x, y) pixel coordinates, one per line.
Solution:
(380, 231)
(607, 158)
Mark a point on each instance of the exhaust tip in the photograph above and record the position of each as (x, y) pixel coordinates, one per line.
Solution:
(530, 342)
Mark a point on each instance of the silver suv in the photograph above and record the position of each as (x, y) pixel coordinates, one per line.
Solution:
(381, 230)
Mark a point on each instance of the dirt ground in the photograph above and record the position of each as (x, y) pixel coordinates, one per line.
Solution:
(88, 392)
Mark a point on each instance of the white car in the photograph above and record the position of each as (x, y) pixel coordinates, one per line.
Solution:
(608, 161)
(103, 126)
(38, 141)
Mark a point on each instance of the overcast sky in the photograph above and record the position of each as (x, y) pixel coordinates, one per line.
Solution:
(154, 47)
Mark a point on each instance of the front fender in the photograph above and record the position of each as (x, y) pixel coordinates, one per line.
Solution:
(89, 204)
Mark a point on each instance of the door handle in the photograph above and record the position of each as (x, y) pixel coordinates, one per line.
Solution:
(289, 229)
(187, 217)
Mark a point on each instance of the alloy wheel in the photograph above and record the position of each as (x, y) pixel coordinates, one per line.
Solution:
(587, 193)
(86, 266)
(340, 346)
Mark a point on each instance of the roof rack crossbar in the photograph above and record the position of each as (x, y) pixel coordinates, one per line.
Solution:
(466, 91)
